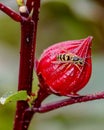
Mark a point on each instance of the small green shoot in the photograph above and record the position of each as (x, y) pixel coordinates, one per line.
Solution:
(11, 97)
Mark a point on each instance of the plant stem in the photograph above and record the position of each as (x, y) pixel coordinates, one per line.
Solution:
(11, 13)
(69, 101)
(28, 113)
(26, 68)
(28, 42)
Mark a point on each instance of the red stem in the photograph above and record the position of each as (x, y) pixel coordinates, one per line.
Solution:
(28, 113)
(26, 68)
(69, 101)
(11, 13)
(28, 42)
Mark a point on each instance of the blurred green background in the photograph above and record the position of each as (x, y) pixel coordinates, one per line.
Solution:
(60, 20)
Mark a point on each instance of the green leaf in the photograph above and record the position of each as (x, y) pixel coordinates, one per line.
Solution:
(10, 97)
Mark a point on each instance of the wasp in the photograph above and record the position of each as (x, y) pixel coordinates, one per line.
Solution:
(70, 58)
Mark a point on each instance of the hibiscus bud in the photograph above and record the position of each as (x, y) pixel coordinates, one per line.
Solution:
(66, 67)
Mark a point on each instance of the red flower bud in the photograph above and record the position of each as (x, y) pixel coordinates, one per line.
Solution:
(66, 66)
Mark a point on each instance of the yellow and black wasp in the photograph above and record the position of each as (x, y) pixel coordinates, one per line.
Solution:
(69, 58)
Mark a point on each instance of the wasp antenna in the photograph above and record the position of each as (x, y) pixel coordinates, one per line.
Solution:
(87, 63)
(56, 62)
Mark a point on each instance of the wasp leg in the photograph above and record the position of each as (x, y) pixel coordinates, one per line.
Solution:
(64, 63)
(62, 66)
(61, 62)
(59, 66)
(67, 67)
(77, 67)
(56, 62)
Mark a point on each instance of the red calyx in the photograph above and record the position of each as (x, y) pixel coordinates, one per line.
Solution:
(66, 67)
